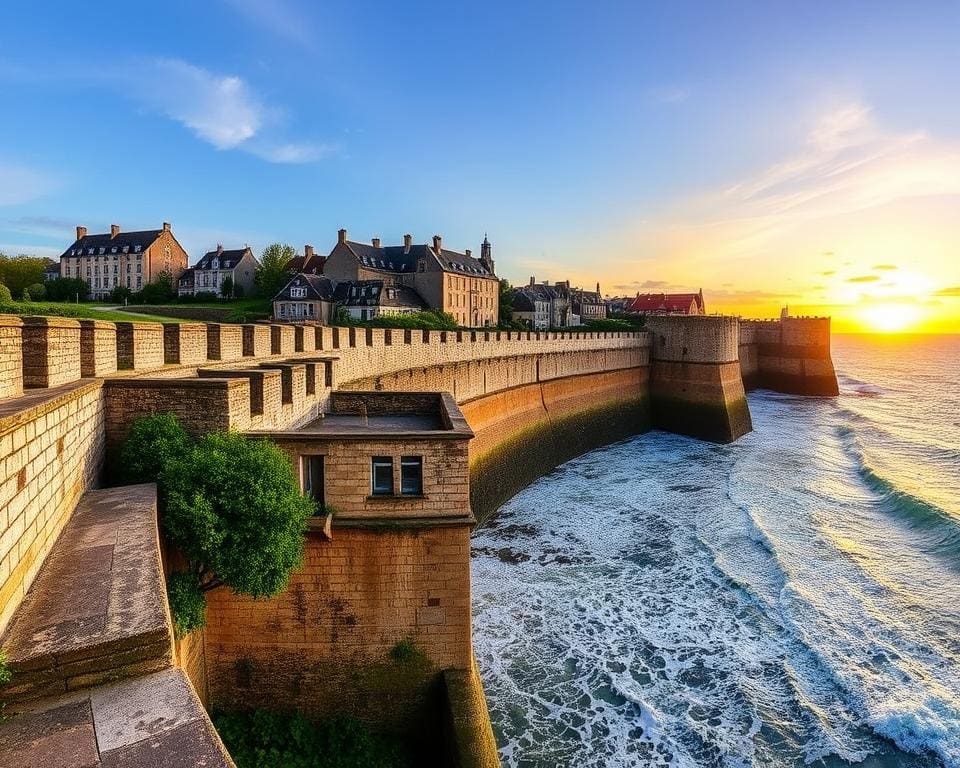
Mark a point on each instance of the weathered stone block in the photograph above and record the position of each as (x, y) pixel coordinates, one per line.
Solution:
(11, 356)
(51, 351)
(184, 343)
(224, 342)
(256, 340)
(139, 346)
(98, 348)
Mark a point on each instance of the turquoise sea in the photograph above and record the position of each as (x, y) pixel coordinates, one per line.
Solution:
(791, 599)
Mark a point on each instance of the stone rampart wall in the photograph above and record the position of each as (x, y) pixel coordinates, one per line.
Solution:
(51, 451)
(792, 355)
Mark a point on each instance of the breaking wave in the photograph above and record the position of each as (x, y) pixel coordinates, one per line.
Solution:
(787, 600)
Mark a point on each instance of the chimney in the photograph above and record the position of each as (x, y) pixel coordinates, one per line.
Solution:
(114, 230)
(547, 282)
(166, 226)
(307, 253)
(81, 233)
(533, 280)
(376, 242)
(407, 243)
(467, 253)
(341, 235)
(219, 248)
(437, 243)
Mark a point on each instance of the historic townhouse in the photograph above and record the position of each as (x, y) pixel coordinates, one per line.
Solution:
(306, 298)
(586, 306)
(458, 283)
(668, 304)
(208, 274)
(129, 259)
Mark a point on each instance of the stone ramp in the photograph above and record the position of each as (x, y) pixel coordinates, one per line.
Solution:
(153, 721)
(97, 610)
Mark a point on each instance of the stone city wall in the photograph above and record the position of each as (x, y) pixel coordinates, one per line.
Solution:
(696, 387)
(793, 355)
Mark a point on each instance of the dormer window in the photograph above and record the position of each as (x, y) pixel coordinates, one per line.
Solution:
(126, 249)
(113, 250)
(103, 251)
(89, 251)
(136, 249)
(216, 264)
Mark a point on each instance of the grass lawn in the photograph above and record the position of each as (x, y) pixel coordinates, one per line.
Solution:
(79, 311)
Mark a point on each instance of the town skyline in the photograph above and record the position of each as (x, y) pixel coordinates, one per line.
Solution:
(828, 186)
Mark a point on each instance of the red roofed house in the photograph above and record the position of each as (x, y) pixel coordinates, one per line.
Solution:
(668, 304)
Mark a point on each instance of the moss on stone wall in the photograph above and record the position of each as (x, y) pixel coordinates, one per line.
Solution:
(536, 450)
(718, 422)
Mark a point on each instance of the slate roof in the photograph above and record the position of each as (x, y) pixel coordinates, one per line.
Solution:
(128, 240)
(374, 293)
(528, 294)
(665, 302)
(228, 259)
(392, 258)
(187, 277)
(579, 297)
(318, 288)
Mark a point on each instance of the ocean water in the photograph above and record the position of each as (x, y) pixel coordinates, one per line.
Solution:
(792, 599)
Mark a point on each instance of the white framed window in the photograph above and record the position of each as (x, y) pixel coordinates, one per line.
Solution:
(381, 476)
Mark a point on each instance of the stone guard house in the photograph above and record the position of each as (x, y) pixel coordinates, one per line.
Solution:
(129, 259)
(209, 274)
(458, 283)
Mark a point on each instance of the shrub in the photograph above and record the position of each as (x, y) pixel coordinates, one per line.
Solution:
(259, 738)
(120, 294)
(5, 295)
(67, 289)
(35, 292)
(226, 287)
(151, 443)
(188, 606)
(160, 291)
(234, 508)
(5, 674)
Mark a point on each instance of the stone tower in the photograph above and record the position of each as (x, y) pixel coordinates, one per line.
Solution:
(486, 257)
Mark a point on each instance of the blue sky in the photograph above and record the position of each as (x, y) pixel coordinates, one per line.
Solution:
(605, 140)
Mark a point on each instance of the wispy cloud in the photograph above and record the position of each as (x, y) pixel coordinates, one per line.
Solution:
(952, 291)
(222, 110)
(884, 267)
(280, 17)
(645, 284)
(863, 279)
(21, 184)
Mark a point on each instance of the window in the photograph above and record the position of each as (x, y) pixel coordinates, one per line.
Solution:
(312, 467)
(411, 475)
(381, 476)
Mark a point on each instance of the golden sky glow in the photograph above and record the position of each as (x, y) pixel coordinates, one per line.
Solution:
(859, 223)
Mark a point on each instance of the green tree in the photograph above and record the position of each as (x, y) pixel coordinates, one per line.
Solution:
(66, 289)
(235, 511)
(120, 294)
(20, 272)
(151, 443)
(226, 287)
(160, 291)
(505, 318)
(273, 273)
(34, 292)
(5, 296)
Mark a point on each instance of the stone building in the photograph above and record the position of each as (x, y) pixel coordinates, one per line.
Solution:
(367, 299)
(668, 304)
(129, 259)
(458, 283)
(532, 305)
(209, 274)
(586, 306)
(306, 298)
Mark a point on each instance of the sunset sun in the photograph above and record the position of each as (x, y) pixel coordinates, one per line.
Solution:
(890, 318)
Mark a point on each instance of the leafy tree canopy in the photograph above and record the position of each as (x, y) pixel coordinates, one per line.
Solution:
(66, 289)
(272, 274)
(20, 272)
(160, 291)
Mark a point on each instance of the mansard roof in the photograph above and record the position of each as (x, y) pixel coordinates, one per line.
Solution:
(228, 259)
(397, 258)
(318, 287)
(375, 293)
(107, 242)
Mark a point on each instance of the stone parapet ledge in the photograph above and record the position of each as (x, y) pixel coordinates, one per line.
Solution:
(11, 356)
(98, 348)
(184, 343)
(468, 732)
(139, 346)
(282, 340)
(256, 340)
(51, 351)
(224, 342)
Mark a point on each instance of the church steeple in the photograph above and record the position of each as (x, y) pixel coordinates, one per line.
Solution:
(486, 254)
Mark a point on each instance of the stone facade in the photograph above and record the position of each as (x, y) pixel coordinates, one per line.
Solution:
(51, 351)
(140, 346)
(11, 356)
